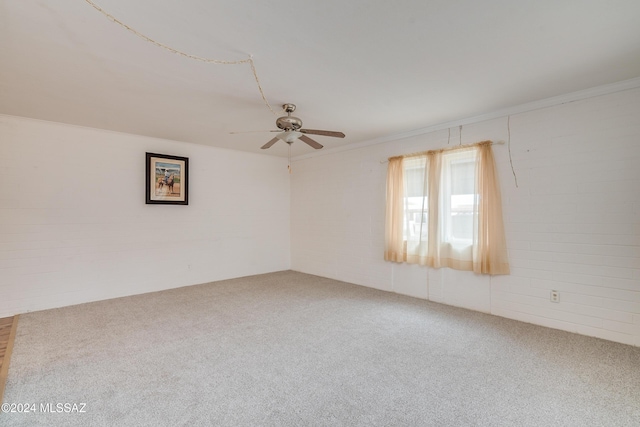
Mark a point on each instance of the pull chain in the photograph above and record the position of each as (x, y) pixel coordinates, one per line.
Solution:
(289, 164)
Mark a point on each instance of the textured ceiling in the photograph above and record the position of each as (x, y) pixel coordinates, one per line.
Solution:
(367, 68)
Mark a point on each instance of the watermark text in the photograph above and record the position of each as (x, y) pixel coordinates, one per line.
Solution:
(48, 407)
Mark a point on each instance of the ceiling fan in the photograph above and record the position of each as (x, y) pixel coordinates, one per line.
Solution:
(290, 129)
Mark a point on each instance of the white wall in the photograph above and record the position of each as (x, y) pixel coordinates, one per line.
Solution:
(74, 226)
(573, 223)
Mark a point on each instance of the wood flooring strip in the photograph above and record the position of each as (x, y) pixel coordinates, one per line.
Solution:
(4, 366)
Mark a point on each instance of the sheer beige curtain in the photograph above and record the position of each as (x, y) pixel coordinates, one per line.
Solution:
(444, 210)
(490, 249)
(393, 239)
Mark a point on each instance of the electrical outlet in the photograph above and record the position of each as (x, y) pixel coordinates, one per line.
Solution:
(555, 296)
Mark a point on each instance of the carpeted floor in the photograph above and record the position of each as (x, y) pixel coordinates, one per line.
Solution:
(290, 349)
(8, 327)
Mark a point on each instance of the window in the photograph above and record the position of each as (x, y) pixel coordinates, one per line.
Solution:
(458, 188)
(415, 219)
(444, 210)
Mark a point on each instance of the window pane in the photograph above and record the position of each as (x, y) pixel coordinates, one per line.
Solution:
(463, 177)
(415, 201)
(460, 197)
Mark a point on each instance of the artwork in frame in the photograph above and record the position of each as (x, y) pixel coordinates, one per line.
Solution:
(167, 179)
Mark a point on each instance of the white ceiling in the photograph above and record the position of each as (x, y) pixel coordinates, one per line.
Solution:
(367, 68)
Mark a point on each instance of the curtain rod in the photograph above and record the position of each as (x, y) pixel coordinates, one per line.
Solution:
(444, 149)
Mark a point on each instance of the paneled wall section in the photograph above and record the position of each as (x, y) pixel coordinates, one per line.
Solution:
(74, 226)
(572, 222)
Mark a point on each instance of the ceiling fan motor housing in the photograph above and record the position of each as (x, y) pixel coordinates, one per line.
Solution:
(289, 123)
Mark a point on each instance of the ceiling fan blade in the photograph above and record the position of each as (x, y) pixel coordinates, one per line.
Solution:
(323, 132)
(311, 142)
(270, 143)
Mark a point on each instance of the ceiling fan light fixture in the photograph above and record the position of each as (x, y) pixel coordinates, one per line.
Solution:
(289, 136)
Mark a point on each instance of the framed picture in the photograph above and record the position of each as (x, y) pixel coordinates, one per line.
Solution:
(167, 179)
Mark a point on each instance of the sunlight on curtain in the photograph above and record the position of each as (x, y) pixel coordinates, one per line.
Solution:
(444, 210)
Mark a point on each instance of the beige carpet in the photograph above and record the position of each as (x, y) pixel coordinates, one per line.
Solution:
(290, 349)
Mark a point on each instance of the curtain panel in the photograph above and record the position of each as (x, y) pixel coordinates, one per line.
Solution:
(444, 209)
(394, 217)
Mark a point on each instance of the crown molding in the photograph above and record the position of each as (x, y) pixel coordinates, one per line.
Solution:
(522, 108)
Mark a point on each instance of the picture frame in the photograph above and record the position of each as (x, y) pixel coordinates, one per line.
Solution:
(167, 179)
